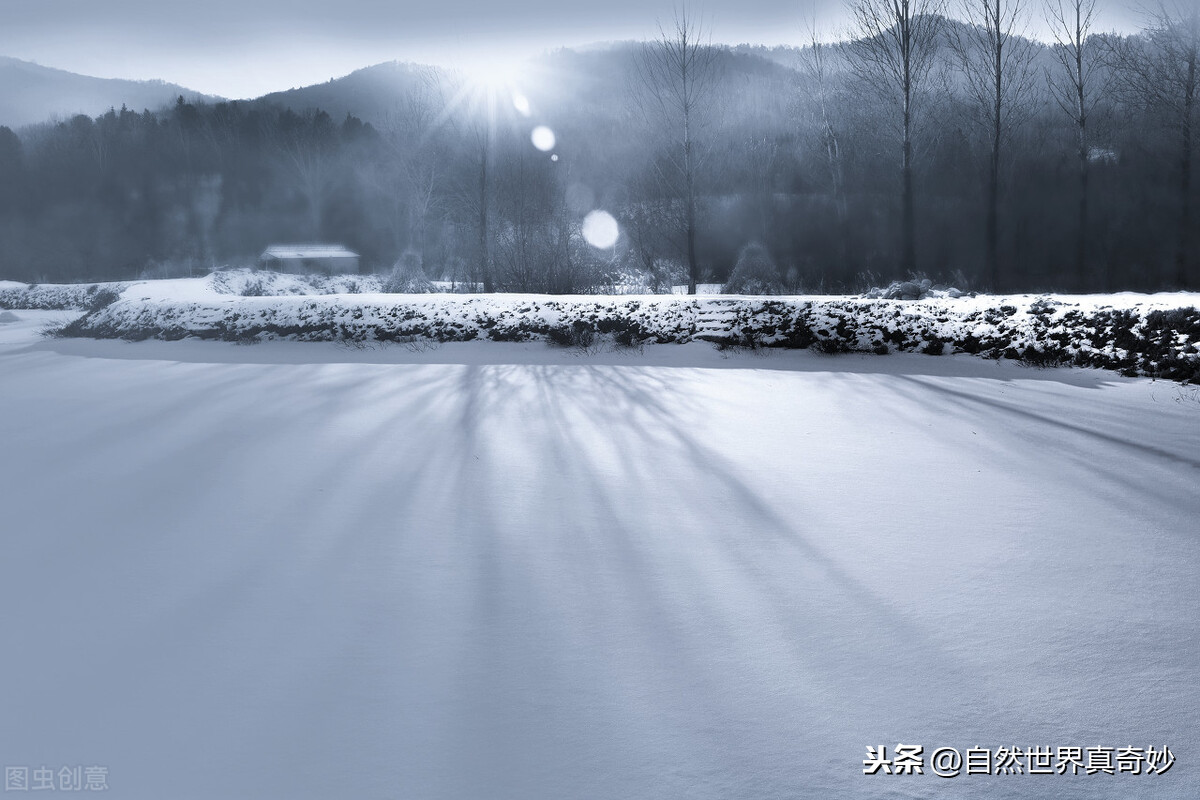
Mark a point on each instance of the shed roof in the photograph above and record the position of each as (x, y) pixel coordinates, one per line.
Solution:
(300, 251)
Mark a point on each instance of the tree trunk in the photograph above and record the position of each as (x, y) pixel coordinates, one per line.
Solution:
(485, 261)
(693, 267)
(908, 256)
(690, 178)
(993, 200)
(992, 232)
(1081, 235)
(1186, 253)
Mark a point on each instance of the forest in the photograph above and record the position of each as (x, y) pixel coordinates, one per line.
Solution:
(930, 143)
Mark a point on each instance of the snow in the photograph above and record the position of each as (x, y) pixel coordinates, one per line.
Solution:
(506, 570)
(1150, 335)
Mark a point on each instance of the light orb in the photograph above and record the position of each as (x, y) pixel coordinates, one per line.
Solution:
(600, 229)
(543, 138)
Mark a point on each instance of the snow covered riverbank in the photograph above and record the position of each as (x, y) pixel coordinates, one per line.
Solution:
(506, 570)
(1151, 335)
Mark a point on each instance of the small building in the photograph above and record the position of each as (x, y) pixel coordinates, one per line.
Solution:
(329, 259)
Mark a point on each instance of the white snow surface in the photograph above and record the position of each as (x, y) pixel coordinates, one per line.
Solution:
(503, 570)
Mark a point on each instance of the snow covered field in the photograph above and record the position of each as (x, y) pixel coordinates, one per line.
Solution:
(504, 570)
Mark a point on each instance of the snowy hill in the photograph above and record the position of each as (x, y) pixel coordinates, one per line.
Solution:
(31, 93)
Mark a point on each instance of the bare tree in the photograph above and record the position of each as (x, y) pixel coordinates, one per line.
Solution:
(996, 61)
(893, 48)
(815, 63)
(481, 141)
(676, 73)
(1072, 83)
(1160, 70)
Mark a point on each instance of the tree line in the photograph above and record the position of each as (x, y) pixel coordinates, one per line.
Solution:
(935, 140)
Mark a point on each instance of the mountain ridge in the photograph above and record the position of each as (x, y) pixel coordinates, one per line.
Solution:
(31, 94)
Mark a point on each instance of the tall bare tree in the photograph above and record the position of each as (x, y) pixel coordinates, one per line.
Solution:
(996, 61)
(676, 74)
(1073, 84)
(815, 64)
(894, 47)
(1160, 69)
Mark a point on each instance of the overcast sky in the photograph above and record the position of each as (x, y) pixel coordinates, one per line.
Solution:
(245, 48)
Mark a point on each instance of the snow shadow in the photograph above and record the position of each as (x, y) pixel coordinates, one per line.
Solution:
(339, 575)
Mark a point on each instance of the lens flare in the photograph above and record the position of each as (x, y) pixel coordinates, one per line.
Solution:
(543, 138)
(601, 230)
(521, 104)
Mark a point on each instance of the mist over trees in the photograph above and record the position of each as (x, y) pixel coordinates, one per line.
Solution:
(938, 141)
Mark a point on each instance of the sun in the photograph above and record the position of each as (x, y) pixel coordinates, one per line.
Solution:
(494, 86)
(492, 75)
(499, 81)
(496, 94)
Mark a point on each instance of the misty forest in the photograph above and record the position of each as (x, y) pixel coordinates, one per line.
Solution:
(918, 144)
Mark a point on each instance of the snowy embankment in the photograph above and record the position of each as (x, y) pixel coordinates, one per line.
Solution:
(1152, 335)
(57, 296)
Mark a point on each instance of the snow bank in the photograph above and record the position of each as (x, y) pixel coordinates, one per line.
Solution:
(57, 296)
(1153, 335)
(269, 284)
(239, 282)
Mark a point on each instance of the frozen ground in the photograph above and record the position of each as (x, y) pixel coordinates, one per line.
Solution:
(487, 570)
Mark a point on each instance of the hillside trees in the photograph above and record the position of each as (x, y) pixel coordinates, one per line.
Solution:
(792, 148)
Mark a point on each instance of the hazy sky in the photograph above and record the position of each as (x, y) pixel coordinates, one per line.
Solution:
(244, 48)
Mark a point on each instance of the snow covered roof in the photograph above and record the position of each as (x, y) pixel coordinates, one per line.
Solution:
(298, 251)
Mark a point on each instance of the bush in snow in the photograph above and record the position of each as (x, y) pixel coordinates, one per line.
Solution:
(755, 273)
(578, 334)
(253, 289)
(918, 288)
(408, 277)
(666, 275)
(102, 297)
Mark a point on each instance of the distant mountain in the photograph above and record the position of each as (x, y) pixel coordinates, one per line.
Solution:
(30, 93)
(371, 94)
(563, 83)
